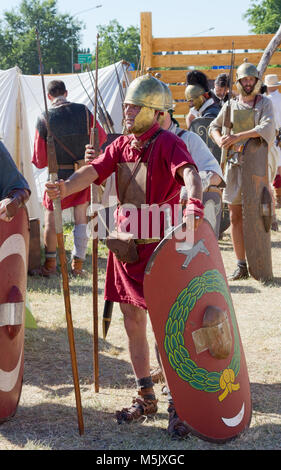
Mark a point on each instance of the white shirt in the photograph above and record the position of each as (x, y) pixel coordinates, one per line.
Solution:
(202, 156)
(275, 97)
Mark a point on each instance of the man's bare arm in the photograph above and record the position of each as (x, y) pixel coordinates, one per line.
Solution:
(191, 180)
(78, 181)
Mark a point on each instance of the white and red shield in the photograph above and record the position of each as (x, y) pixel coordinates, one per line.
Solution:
(14, 246)
(196, 330)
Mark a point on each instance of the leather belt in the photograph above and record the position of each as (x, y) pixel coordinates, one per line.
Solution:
(66, 167)
(144, 241)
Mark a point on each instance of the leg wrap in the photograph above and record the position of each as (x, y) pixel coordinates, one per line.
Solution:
(80, 240)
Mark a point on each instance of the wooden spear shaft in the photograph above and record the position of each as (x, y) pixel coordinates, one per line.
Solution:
(227, 119)
(94, 141)
(53, 170)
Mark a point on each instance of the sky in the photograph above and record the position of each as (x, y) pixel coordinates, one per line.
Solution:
(170, 18)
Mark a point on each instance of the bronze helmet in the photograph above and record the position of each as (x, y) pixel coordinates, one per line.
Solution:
(247, 70)
(147, 91)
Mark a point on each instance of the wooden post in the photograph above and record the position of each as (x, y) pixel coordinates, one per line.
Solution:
(146, 41)
(268, 52)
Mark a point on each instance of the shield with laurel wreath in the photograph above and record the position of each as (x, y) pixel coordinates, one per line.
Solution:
(14, 246)
(195, 326)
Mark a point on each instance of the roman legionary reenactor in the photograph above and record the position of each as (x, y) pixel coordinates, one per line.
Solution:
(246, 171)
(70, 124)
(151, 165)
(14, 243)
(200, 99)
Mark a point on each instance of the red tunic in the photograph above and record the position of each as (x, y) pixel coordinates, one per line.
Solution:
(40, 160)
(124, 282)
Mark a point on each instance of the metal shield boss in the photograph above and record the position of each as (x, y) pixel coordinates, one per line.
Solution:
(14, 246)
(197, 334)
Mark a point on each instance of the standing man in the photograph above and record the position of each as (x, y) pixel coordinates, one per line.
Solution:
(221, 88)
(272, 85)
(13, 186)
(260, 114)
(70, 124)
(151, 165)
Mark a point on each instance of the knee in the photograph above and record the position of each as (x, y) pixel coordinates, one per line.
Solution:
(134, 319)
(235, 216)
(49, 221)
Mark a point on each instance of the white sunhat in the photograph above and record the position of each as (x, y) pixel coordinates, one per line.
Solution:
(271, 80)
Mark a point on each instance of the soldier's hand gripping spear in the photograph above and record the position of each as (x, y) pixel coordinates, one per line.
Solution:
(53, 170)
(227, 118)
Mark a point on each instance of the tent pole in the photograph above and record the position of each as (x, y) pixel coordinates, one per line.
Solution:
(17, 155)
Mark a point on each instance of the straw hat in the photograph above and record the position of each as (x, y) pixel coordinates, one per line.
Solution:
(271, 80)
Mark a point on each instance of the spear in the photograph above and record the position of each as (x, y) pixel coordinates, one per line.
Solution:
(94, 141)
(227, 119)
(53, 174)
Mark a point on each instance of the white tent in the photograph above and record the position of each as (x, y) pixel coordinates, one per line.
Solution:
(21, 100)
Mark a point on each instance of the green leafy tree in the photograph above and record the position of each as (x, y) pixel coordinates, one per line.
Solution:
(59, 38)
(264, 17)
(117, 43)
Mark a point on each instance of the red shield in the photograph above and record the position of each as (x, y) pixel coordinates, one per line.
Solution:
(203, 361)
(14, 245)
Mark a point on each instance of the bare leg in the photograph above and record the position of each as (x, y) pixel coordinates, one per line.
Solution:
(135, 321)
(50, 238)
(236, 229)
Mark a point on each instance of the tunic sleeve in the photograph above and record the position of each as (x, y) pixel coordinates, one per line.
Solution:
(266, 125)
(180, 156)
(10, 177)
(40, 156)
(106, 163)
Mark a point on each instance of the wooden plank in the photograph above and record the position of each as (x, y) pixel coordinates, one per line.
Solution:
(146, 40)
(195, 60)
(253, 41)
(181, 121)
(178, 91)
(181, 108)
(179, 76)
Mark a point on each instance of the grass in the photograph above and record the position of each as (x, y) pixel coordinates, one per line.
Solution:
(46, 416)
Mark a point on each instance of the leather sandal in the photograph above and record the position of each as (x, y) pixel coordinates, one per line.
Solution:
(141, 406)
(176, 427)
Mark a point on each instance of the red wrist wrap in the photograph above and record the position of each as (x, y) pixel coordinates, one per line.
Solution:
(194, 207)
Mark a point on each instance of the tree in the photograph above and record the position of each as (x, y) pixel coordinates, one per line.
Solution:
(59, 33)
(264, 16)
(117, 43)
